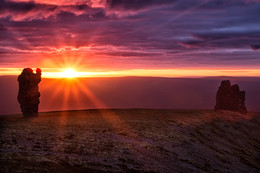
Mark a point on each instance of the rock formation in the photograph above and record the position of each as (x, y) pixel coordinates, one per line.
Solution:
(229, 97)
(28, 95)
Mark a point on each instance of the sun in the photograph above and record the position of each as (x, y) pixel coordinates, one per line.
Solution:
(68, 73)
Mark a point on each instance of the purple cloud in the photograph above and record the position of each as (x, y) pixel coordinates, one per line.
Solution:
(165, 33)
(255, 47)
(136, 5)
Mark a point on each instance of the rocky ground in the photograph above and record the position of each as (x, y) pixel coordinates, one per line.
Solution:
(131, 141)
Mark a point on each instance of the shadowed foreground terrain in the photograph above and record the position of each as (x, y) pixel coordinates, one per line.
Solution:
(131, 141)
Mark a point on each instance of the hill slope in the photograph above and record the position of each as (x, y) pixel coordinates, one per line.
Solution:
(131, 140)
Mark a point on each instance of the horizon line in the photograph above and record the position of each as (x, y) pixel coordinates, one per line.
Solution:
(164, 73)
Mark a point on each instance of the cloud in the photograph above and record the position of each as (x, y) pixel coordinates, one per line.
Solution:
(166, 33)
(230, 37)
(135, 5)
(31, 10)
(24, 7)
(255, 47)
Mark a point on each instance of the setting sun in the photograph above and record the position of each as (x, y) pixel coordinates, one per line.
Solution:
(68, 73)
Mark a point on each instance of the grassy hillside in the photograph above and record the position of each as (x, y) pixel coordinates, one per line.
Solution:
(131, 141)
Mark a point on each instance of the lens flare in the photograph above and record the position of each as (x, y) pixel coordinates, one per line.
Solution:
(68, 73)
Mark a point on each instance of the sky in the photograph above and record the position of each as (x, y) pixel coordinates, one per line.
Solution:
(166, 38)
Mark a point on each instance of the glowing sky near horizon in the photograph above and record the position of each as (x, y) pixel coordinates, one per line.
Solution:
(99, 38)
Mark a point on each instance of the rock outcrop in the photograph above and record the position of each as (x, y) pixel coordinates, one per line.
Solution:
(28, 95)
(229, 97)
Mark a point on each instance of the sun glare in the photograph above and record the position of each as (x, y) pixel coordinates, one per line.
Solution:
(69, 73)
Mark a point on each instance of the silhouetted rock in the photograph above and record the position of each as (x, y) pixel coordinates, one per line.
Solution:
(229, 97)
(28, 95)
